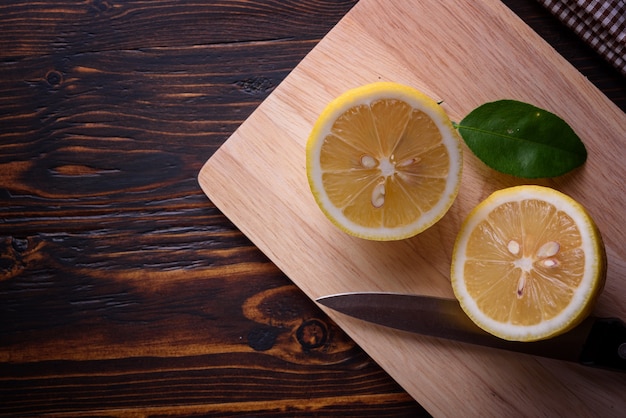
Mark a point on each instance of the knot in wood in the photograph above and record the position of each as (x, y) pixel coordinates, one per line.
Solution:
(313, 333)
(262, 338)
(54, 78)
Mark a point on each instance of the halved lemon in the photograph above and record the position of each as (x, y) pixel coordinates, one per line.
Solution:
(528, 263)
(383, 161)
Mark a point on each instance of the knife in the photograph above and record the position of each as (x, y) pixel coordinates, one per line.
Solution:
(596, 342)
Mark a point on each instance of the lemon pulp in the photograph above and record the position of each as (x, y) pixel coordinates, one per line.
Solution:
(528, 263)
(383, 161)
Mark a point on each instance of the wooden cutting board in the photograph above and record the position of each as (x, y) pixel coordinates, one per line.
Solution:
(464, 53)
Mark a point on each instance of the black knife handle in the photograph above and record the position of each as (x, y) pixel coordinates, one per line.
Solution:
(606, 345)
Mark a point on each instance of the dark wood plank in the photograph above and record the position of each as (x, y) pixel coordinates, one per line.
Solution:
(122, 289)
(605, 77)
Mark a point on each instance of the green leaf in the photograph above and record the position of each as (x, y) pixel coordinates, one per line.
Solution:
(522, 140)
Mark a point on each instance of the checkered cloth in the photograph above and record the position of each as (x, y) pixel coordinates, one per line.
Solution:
(600, 23)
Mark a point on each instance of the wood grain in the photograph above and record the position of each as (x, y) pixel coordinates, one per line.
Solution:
(123, 290)
(462, 56)
(122, 287)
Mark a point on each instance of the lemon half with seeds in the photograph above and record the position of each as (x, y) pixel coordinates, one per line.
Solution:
(384, 161)
(528, 263)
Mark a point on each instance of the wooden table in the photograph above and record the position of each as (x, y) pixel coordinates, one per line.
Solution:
(123, 291)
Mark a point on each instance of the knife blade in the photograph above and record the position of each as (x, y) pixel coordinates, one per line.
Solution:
(596, 342)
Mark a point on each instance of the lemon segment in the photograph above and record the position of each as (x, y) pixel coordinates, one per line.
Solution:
(383, 161)
(528, 263)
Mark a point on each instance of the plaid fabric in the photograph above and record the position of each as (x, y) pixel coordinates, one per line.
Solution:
(600, 23)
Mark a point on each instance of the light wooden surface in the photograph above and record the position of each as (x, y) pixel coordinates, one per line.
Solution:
(465, 54)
